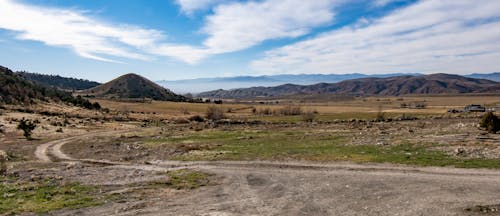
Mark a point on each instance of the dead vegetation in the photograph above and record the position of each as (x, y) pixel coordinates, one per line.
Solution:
(3, 162)
(490, 122)
(215, 113)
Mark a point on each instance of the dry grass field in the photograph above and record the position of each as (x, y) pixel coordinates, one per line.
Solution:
(354, 108)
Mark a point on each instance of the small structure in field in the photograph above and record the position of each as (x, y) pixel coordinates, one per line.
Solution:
(474, 108)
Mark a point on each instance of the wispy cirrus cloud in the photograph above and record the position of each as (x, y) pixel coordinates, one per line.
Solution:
(87, 37)
(455, 36)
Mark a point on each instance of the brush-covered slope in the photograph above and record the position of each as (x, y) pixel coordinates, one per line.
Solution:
(59, 81)
(132, 86)
(391, 86)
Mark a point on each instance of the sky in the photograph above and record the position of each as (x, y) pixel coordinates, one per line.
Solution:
(184, 39)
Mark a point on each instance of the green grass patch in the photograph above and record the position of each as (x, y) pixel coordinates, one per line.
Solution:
(337, 116)
(187, 179)
(42, 197)
(311, 146)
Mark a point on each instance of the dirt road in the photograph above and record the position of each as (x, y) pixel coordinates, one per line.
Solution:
(296, 188)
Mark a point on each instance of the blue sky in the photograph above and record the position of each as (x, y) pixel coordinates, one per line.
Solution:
(182, 39)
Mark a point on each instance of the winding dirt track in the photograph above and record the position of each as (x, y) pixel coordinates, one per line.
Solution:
(302, 188)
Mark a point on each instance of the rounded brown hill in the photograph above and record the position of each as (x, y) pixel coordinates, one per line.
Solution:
(130, 86)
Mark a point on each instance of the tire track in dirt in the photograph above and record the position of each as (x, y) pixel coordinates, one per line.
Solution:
(306, 188)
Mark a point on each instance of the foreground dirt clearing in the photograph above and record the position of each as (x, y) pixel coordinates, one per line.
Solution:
(281, 188)
(315, 190)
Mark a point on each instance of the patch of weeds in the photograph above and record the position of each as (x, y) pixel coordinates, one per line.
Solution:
(187, 179)
(299, 145)
(44, 196)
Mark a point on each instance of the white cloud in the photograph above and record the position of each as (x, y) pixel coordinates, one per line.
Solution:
(232, 27)
(454, 36)
(190, 6)
(87, 37)
(238, 26)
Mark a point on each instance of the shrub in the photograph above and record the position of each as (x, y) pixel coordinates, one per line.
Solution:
(181, 121)
(308, 116)
(290, 110)
(2, 130)
(197, 118)
(59, 130)
(27, 127)
(380, 115)
(490, 122)
(215, 113)
(96, 106)
(3, 163)
(184, 111)
(265, 111)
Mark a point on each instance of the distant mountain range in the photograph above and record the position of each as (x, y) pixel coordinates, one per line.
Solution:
(132, 86)
(389, 86)
(491, 76)
(208, 84)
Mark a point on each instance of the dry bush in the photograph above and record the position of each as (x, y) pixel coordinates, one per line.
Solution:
(309, 116)
(2, 130)
(490, 122)
(290, 110)
(380, 115)
(197, 118)
(214, 113)
(185, 111)
(3, 162)
(265, 111)
(181, 121)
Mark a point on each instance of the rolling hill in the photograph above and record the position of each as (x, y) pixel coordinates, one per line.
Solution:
(391, 86)
(132, 86)
(59, 81)
(207, 84)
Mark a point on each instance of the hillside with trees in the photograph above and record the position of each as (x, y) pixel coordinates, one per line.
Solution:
(59, 81)
(14, 89)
